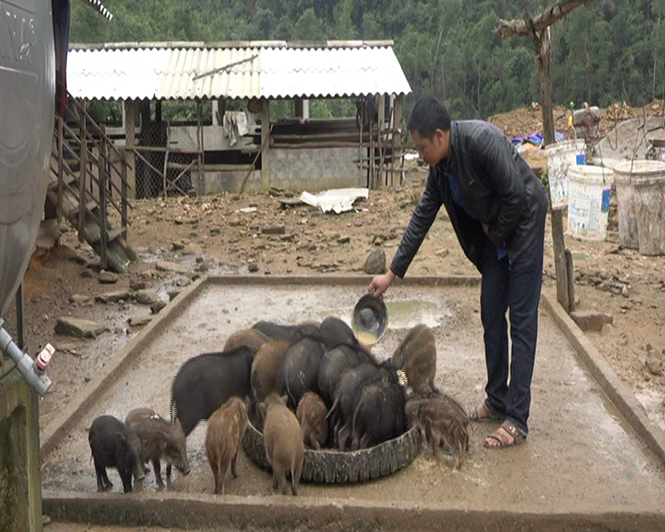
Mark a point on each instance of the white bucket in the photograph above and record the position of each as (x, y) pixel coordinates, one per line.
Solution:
(560, 157)
(640, 189)
(589, 201)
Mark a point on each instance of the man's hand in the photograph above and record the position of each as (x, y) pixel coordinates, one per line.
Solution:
(380, 284)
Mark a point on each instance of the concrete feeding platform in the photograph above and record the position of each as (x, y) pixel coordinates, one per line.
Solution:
(593, 461)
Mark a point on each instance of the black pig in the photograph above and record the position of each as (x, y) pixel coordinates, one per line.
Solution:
(113, 444)
(205, 382)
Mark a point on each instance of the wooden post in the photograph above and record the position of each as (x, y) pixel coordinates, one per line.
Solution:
(399, 105)
(381, 126)
(541, 43)
(103, 234)
(571, 280)
(60, 156)
(199, 144)
(265, 141)
(83, 158)
(166, 162)
(130, 142)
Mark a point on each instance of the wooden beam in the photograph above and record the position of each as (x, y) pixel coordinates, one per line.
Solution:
(397, 131)
(130, 142)
(265, 142)
(508, 28)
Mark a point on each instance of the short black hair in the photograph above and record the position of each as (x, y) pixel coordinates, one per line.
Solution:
(427, 116)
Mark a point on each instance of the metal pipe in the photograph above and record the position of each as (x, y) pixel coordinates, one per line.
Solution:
(32, 371)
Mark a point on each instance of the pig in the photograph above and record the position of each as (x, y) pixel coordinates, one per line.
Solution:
(335, 331)
(283, 440)
(114, 444)
(334, 363)
(160, 440)
(264, 374)
(311, 414)
(299, 369)
(248, 337)
(205, 382)
(351, 382)
(226, 428)
(290, 333)
(442, 420)
(378, 414)
(416, 356)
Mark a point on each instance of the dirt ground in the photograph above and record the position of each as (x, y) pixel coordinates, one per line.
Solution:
(213, 235)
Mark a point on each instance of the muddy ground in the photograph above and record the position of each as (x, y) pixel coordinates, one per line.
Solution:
(213, 235)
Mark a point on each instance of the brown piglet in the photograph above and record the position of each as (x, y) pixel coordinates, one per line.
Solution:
(285, 449)
(226, 427)
(416, 356)
(311, 414)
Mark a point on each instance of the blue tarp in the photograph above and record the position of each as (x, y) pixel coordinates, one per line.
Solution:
(537, 138)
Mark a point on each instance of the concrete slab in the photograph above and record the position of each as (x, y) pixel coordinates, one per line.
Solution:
(584, 465)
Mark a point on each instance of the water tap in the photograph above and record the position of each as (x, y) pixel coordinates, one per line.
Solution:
(32, 370)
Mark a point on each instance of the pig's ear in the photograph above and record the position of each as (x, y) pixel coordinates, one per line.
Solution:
(177, 424)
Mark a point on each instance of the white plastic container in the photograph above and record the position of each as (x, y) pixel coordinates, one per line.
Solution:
(589, 201)
(560, 157)
(640, 189)
(641, 205)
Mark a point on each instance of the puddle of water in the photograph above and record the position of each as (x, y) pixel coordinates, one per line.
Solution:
(402, 314)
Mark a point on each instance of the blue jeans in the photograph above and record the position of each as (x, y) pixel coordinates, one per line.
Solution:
(514, 287)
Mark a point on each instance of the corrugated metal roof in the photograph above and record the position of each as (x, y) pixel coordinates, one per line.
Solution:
(272, 72)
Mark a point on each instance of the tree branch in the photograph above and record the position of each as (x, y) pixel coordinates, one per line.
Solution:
(508, 28)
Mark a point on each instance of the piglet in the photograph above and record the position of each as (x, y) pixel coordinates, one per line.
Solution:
(114, 444)
(285, 449)
(311, 414)
(226, 428)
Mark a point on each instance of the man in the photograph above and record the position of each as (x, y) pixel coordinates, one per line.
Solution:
(497, 207)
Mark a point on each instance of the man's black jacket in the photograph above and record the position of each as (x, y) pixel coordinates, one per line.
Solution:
(498, 187)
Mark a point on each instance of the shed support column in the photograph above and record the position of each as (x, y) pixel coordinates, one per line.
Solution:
(265, 142)
(130, 142)
(399, 103)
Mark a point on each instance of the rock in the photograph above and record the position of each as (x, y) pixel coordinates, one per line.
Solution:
(157, 306)
(344, 240)
(107, 277)
(173, 267)
(79, 299)
(273, 230)
(654, 361)
(78, 328)
(590, 320)
(137, 284)
(140, 321)
(112, 297)
(624, 291)
(215, 232)
(192, 249)
(146, 297)
(253, 267)
(87, 274)
(80, 259)
(173, 293)
(375, 263)
(177, 246)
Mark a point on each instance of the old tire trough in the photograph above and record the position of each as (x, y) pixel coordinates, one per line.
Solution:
(328, 466)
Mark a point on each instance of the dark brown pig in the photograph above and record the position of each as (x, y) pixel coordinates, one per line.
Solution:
(285, 449)
(114, 444)
(416, 356)
(161, 440)
(205, 382)
(248, 337)
(442, 420)
(263, 376)
(334, 363)
(299, 369)
(290, 333)
(311, 414)
(226, 428)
